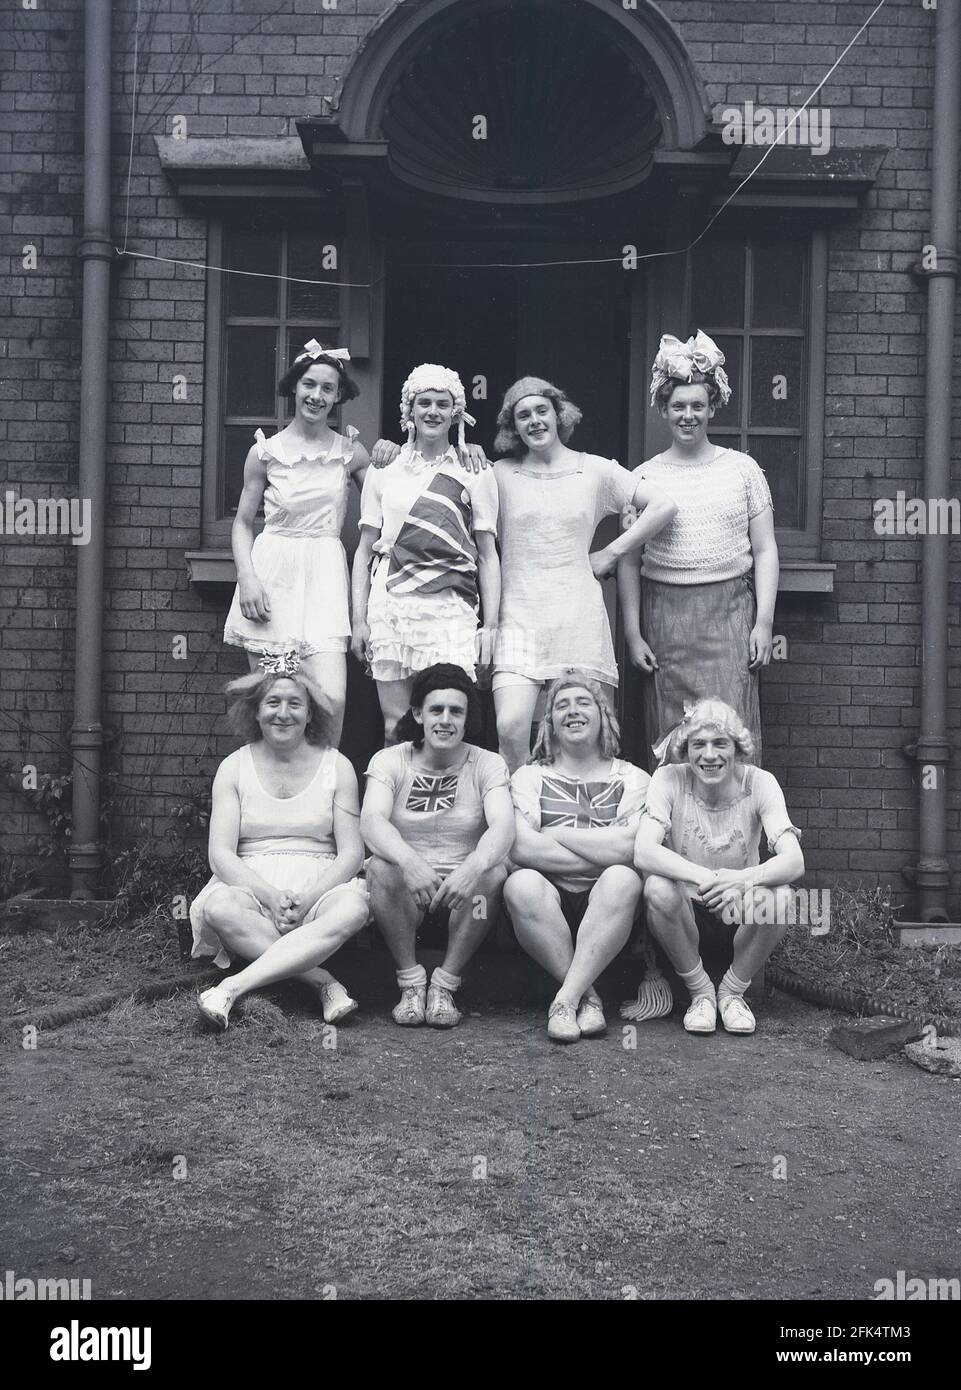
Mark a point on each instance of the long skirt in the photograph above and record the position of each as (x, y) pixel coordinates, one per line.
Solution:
(700, 634)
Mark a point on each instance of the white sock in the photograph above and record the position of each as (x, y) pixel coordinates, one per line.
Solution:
(443, 979)
(414, 975)
(698, 981)
(731, 984)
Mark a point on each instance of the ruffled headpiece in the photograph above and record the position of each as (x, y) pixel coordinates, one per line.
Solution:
(429, 376)
(677, 361)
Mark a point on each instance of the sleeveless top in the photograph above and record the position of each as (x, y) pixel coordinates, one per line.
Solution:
(306, 495)
(301, 824)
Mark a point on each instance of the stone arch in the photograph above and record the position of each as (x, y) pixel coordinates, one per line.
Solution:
(644, 33)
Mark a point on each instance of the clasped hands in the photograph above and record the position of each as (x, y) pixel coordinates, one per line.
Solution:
(430, 891)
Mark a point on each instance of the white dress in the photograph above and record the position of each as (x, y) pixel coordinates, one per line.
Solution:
(298, 557)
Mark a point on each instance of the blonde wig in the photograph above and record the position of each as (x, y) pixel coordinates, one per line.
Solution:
(545, 746)
(709, 713)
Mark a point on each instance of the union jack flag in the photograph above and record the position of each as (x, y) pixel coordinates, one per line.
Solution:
(429, 793)
(579, 805)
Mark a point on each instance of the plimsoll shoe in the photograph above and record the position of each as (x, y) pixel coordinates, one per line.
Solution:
(410, 1012)
(735, 1014)
(562, 1023)
(336, 1002)
(701, 1017)
(590, 1019)
(215, 1005)
(441, 1010)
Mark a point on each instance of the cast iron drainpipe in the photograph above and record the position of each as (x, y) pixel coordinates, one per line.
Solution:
(95, 252)
(933, 748)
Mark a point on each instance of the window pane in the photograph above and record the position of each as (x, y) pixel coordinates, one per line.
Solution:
(305, 261)
(718, 285)
(730, 414)
(778, 285)
(776, 382)
(781, 460)
(237, 442)
(251, 371)
(244, 294)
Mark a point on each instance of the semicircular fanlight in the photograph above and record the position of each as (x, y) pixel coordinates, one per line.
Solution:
(526, 100)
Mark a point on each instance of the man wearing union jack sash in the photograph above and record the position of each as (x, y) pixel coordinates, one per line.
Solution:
(574, 893)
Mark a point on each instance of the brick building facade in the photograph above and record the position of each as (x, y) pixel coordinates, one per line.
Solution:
(812, 265)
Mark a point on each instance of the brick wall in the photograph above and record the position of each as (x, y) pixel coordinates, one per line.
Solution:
(837, 712)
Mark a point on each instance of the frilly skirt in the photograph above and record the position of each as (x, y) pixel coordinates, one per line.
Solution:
(305, 579)
(409, 632)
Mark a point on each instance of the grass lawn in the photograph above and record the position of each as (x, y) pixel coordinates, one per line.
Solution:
(160, 1160)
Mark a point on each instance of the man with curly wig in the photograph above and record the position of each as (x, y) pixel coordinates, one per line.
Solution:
(698, 847)
(573, 895)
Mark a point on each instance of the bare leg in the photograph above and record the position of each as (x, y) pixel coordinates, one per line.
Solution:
(539, 924)
(670, 920)
(514, 706)
(754, 943)
(328, 670)
(470, 924)
(395, 912)
(303, 948)
(248, 933)
(394, 699)
(603, 932)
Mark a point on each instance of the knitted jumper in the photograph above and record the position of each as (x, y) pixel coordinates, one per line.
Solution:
(717, 499)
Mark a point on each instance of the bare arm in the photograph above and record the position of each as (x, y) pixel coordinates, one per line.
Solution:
(350, 846)
(224, 837)
(532, 850)
(766, 573)
(254, 603)
(359, 464)
(651, 857)
(360, 592)
(629, 594)
(492, 848)
(384, 840)
(611, 845)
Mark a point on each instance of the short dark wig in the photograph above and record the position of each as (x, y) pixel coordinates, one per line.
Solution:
(248, 691)
(346, 391)
(663, 394)
(443, 676)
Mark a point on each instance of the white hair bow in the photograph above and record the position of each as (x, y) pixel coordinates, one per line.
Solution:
(313, 349)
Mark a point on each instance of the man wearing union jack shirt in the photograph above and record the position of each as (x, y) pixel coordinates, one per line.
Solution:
(574, 892)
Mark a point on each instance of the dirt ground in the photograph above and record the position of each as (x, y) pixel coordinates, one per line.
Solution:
(162, 1161)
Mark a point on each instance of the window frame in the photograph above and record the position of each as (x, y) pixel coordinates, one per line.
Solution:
(794, 542)
(215, 529)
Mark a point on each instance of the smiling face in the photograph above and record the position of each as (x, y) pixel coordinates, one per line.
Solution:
(316, 393)
(575, 718)
(688, 412)
(711, 755)
(443, 716)
(535, 421)
(433, 414)
(283, 714)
